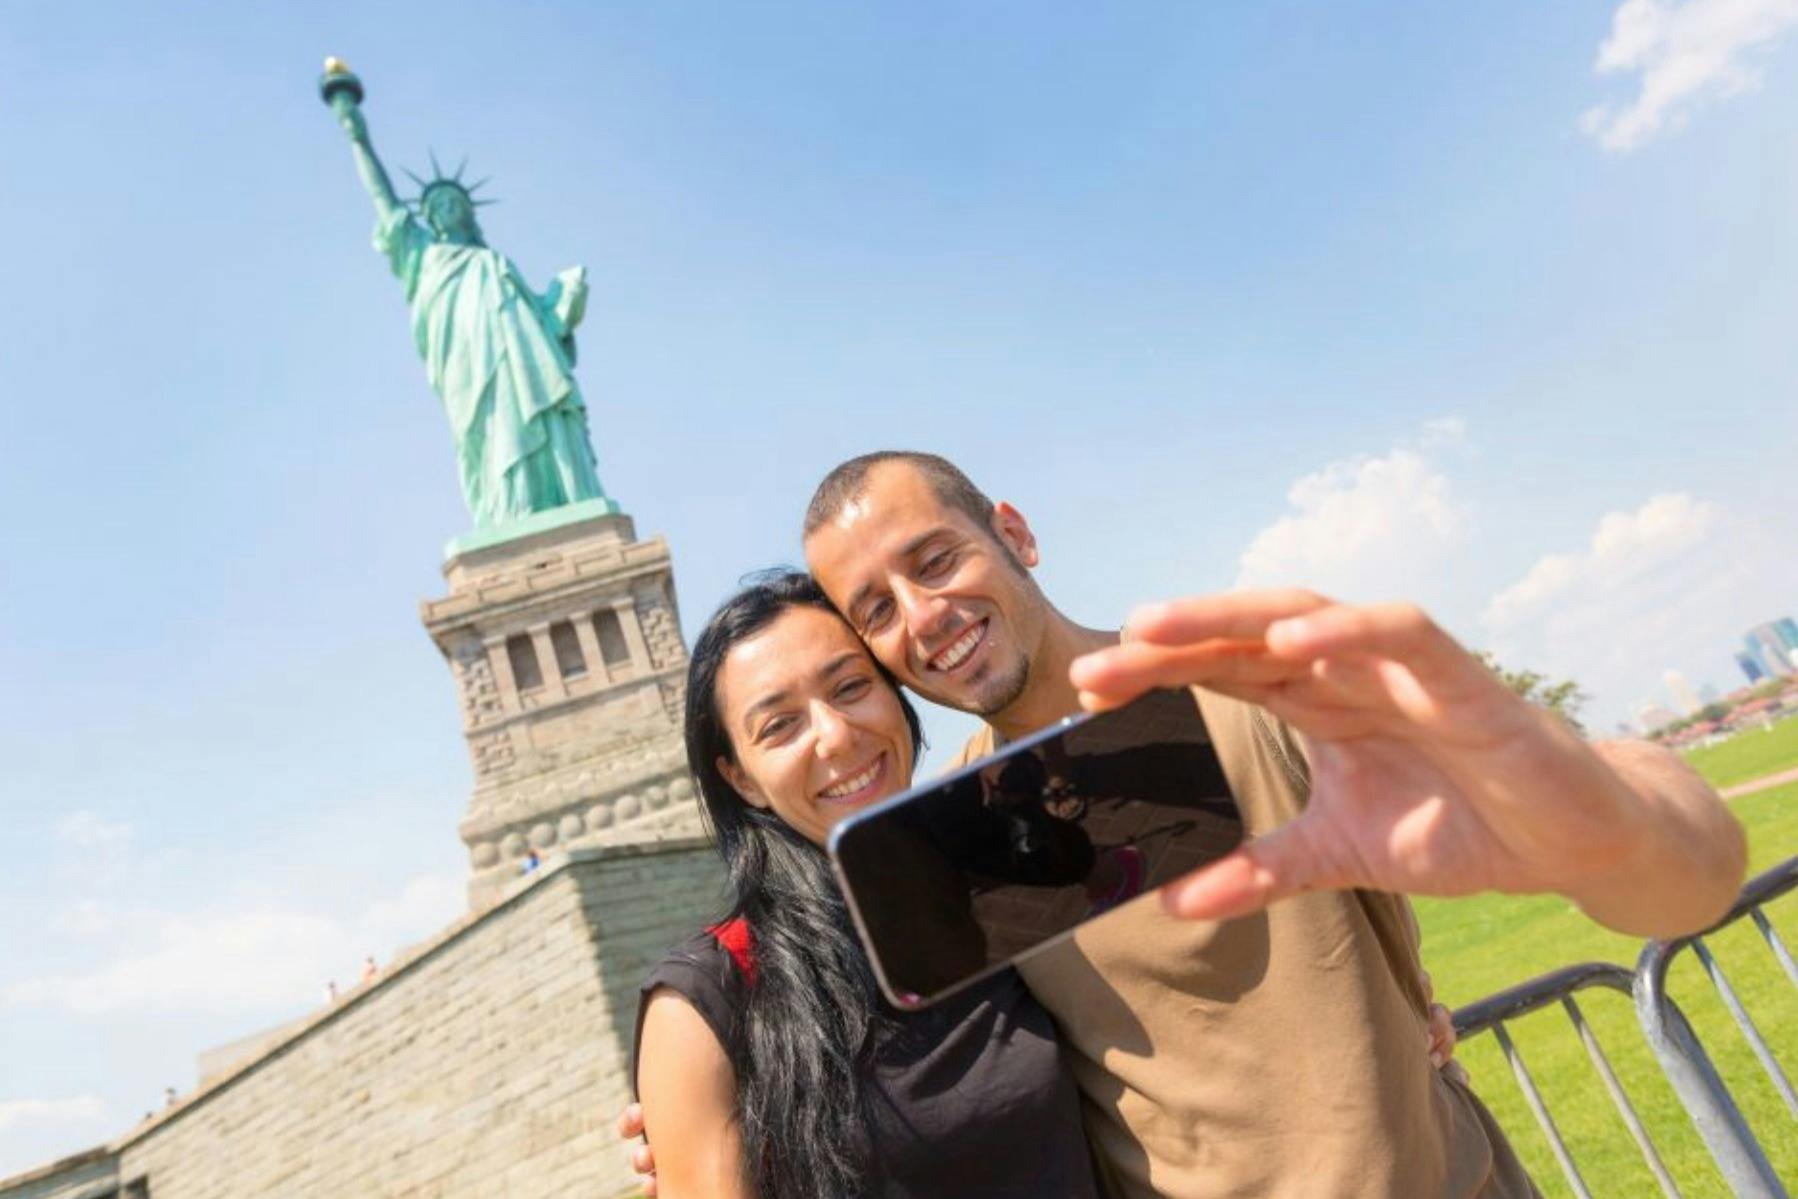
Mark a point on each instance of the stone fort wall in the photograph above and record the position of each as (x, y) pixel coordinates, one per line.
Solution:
(489, 1062)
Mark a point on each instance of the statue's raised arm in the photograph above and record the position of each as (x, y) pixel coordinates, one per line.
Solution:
(343, 92)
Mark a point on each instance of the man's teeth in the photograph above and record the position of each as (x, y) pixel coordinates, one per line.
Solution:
(851, 785)
(958, 651)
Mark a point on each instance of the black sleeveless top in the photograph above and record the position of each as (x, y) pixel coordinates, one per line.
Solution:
(971, 1099)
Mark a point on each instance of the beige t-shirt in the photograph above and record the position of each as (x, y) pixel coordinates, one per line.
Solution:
(1280, 1054)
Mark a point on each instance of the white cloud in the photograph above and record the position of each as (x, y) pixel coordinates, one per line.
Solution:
(81, 1109)
(1623, 546)
(1685, 52)
(89, 830)
(1366, 527)
(248, 961)
(1672, 583)
(85, 918)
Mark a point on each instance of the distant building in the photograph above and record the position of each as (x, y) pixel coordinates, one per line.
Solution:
(1683, 695)
(1787, 628)
(1653, 716)
(1708, 695)
(1751, 666)
(1765, 642)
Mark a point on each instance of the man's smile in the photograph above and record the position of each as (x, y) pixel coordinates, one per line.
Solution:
(960, 650)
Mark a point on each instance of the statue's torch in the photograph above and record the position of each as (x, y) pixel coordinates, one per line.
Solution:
(339, 88)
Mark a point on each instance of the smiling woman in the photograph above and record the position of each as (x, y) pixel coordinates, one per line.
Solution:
(766, 1065)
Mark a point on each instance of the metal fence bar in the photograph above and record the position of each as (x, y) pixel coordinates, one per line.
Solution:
(1559, 986)
(1780, 952)
(1620, 1099)
(1701, 1091)
(1695, 1080)
(1540, 1108)
(1769, 1063)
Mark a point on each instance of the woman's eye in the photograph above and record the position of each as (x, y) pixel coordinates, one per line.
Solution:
(775, 729)
(853, 689)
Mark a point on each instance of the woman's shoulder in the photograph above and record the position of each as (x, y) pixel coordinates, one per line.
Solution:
(719, 950)
(709, 970)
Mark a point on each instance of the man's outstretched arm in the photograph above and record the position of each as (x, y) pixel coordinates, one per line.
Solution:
(1430, 777)
(1697, 844)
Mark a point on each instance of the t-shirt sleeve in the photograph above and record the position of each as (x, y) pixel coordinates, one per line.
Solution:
(977, 746)
(703, 974)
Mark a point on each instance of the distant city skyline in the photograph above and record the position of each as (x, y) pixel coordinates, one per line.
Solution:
(1771, 650)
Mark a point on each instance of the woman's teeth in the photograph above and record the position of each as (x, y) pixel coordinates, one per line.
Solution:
(850, 786)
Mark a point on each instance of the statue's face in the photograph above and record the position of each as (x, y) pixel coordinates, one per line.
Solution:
(451, 215)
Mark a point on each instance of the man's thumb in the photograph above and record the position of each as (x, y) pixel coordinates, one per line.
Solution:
(1266, 870)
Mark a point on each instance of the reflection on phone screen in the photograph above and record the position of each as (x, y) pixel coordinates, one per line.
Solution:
(961, 876)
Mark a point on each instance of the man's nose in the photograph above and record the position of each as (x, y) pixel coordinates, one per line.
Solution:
(923, 609)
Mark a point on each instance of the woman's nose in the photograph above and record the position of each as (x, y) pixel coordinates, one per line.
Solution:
(833, 733)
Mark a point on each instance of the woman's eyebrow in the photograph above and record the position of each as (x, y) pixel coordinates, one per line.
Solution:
(772, 700)
(836, 664)
(776, 698)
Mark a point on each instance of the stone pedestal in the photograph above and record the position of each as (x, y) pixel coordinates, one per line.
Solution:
(566, 648)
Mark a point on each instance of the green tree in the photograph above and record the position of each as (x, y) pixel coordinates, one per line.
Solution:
(1563, 697)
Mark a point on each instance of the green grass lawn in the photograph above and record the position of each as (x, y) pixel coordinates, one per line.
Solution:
(1749, 754)
(1478, 946)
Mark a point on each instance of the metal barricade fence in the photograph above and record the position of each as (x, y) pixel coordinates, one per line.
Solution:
(1671, 1039)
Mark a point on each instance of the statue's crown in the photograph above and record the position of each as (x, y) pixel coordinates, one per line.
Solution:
(440, 180)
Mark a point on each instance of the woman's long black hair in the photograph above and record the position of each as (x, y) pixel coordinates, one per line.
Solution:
(811, 1013)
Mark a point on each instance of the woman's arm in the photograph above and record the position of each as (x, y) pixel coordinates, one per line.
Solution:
(688, 1089)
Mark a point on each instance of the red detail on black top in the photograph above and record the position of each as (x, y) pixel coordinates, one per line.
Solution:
(733, 936)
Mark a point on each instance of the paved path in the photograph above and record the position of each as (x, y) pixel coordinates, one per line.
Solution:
(1761, 784)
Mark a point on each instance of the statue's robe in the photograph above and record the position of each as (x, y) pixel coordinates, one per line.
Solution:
(501, 357)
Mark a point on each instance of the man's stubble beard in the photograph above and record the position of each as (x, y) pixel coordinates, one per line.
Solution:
(1005, 690)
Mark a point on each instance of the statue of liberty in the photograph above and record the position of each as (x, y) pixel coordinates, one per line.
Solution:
(499, 355)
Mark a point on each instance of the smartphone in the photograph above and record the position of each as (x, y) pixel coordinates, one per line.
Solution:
(960, 877)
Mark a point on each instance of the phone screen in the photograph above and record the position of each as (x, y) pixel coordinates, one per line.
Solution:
(962, 876)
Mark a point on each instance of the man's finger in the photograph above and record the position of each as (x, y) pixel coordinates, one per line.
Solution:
(1401, 631)
(1441, 1035)
(630, 1121)
(1271, 868)
(1238, 615)
(1120, 673)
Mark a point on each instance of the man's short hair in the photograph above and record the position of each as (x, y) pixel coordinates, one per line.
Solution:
(944, 478)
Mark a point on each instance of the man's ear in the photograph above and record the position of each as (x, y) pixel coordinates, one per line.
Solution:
(741, 783)
(1013, 531)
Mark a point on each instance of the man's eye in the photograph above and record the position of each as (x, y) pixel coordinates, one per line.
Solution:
(877, 614)
(936, 565)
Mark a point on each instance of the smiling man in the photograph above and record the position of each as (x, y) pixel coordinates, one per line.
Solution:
(1281, 1051)
(1264, 1029)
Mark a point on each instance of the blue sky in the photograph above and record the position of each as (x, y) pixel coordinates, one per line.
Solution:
(1405, 300)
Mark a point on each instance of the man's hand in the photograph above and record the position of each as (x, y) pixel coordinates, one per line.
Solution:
(1429, 776)
(642, 1158)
